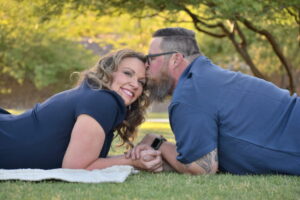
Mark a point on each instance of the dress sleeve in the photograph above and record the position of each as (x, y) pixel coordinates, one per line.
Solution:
(195, 132)
(106, 107)
(3, 111)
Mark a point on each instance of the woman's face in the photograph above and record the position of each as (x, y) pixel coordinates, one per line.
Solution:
(129, 79)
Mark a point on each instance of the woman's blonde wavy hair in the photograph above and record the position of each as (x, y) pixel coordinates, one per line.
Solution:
(100, 77)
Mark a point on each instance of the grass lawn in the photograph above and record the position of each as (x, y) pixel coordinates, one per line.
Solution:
(159, 186)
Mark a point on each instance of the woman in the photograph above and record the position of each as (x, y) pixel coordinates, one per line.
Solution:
(74, 129)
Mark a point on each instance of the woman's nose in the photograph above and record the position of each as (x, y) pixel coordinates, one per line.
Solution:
(134, 83)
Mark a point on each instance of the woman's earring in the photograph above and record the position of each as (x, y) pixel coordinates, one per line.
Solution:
(129, 108)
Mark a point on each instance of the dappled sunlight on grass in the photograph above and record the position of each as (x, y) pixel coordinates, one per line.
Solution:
(155, 125)
(15, 112)
(157, 115)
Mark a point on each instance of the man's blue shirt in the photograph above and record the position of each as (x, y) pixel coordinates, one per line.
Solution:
(254, 124)
(39, 137)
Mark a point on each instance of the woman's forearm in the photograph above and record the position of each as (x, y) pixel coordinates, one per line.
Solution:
(102, 163)
(154, 165)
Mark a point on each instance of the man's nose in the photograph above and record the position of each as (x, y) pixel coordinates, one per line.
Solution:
(147, 65)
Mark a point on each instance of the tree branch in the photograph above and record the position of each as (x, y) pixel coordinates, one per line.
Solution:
(241, 34)
(297, 17)
(241, 48)
(196, 18)
(197, 21)
(288, 67)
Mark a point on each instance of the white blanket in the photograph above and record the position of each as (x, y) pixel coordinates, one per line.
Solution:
(111, 174)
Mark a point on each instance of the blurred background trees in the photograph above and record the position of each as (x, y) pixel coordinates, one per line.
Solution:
(43, 41)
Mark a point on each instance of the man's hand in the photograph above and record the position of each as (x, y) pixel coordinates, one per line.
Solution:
(149, 160)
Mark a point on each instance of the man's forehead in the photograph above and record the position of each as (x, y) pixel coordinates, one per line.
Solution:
(155, 45)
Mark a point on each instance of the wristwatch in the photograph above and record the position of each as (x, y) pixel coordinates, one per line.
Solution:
(158, 142)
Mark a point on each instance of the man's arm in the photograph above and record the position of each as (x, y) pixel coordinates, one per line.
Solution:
(207, 164)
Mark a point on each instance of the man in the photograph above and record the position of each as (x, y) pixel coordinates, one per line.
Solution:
(222, 120)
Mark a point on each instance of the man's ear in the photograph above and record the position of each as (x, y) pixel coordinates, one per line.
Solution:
(177, 59)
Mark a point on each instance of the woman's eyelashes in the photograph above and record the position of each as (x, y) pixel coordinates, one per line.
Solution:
(128, 73)
(142, 82)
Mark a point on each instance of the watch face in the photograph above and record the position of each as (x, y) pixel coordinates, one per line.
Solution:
(156, 143)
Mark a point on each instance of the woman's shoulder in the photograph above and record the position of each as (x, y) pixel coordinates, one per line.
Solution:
(110, 95)
(102, 96)
(105, 106)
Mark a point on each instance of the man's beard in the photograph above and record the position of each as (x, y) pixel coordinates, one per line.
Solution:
(161, 87)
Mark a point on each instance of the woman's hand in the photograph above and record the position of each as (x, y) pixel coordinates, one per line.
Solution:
(149, 160)
(135, 153)
(144, 144)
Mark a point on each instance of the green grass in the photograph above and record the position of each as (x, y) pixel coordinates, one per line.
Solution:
(160, 186)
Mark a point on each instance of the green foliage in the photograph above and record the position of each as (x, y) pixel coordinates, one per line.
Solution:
(279, 19)
(39, 38)
(272, 16)
(32, 50)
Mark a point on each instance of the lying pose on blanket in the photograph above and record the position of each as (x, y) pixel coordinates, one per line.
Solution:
(74, 129)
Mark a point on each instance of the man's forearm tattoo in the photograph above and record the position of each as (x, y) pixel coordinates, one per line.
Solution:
(207, 161)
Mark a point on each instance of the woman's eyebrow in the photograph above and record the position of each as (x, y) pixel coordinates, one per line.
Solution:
(129, 69)
(132, 70)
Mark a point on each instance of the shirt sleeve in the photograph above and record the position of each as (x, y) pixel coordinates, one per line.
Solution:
(104, 106)
(195, 132)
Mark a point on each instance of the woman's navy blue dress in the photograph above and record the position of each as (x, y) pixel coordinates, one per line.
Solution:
(39, 137)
